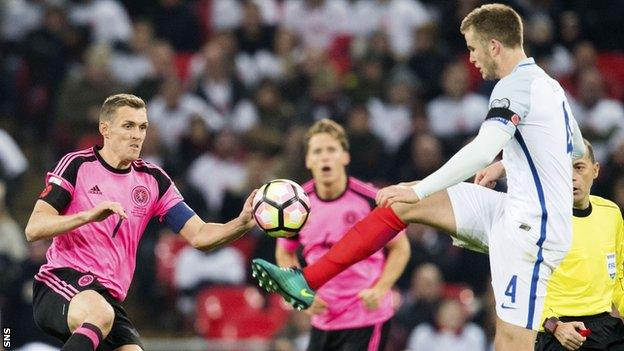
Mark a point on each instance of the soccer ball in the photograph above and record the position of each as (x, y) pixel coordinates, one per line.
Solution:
(281, 208)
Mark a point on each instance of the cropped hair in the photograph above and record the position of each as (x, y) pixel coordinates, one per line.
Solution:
(114, 102)
(330, 127)
(495, 21)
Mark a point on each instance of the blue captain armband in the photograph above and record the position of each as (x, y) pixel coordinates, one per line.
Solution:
(177, 216)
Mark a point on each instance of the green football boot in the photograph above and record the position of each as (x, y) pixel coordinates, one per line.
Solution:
(288, 282)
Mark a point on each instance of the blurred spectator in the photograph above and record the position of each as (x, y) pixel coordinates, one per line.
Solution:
(315, 88)
(171, 110)
(585, 56)
(367, 80)
(424, 156)
(601, 119)
(221, 90)
(19, 17)
(107, 20)
(449, 332)
(13, 162)
(194, 142)
(618, 191)
(391, 117)
(296, 332)
(13, 248)
(195, 268)
(82, 94)
(255, 43)
(161, 57)
(420, 303)
(379, 49)
(287, 52)
(253, 35)
(46, 52)
(130, 62)
(175, 22)
(17, 308)
(398, 18)
(428, 59)
(367, 151)
(291, 164)
(220, 170)
(276, 117)
(554, 58)
(316, 22)
(570, 31)
(458, 113)
(228, 14)
(224, 14)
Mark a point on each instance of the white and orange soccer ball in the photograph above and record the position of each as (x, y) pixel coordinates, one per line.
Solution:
(281, 208)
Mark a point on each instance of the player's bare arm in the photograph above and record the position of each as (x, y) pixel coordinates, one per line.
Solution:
(209, 236)
(45, 222)
(398, 254)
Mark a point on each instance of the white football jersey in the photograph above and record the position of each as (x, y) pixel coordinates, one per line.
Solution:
(533, 108)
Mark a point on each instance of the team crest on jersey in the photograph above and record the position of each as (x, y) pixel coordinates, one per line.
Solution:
(85, 280)
(350, 218)
(500, 103)
(140, 195)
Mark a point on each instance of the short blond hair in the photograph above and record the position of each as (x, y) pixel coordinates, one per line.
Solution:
(330, 127)
(495, 21)
(114, 102)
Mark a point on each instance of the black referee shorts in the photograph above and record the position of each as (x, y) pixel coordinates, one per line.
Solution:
(607, 334)
(52, 292)
(369, 338)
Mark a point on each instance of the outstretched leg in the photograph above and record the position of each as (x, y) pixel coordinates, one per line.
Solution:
(365, 238)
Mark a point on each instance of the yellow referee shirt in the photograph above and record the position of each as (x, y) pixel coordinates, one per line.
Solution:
(585, 282)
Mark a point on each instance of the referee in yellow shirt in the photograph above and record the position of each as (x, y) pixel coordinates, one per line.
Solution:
(591, 271)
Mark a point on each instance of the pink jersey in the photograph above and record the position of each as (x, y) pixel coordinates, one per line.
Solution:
(328, 222)
(108, 248)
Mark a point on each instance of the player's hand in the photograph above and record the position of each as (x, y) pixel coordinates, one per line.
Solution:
(246, 216)
(318, 306)
(568, 335)
(396, 193)
(372, 297)
(488, 176)
(103, 210)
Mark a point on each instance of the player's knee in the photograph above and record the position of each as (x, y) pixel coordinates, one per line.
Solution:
(90, 307)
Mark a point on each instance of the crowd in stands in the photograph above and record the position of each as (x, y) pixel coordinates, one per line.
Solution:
(231, 87)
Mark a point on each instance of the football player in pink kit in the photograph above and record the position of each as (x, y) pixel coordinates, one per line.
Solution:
(352, 311)
(96, 205)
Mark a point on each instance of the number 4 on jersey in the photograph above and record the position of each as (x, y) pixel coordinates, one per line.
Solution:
(511, 289)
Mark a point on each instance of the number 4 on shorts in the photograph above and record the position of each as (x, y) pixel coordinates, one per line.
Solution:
(511, 289)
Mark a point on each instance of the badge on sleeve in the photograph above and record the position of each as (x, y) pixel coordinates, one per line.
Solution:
(611, 265)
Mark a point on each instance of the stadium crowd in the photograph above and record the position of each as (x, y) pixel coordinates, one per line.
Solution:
(231, 88)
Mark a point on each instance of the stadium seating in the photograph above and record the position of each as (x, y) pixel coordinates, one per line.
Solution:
(238, 312)
(167, 250)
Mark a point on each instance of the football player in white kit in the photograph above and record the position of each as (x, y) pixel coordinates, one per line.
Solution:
(531, 225)
(529, 228)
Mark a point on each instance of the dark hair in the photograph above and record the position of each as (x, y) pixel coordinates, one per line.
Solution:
(590, 150)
